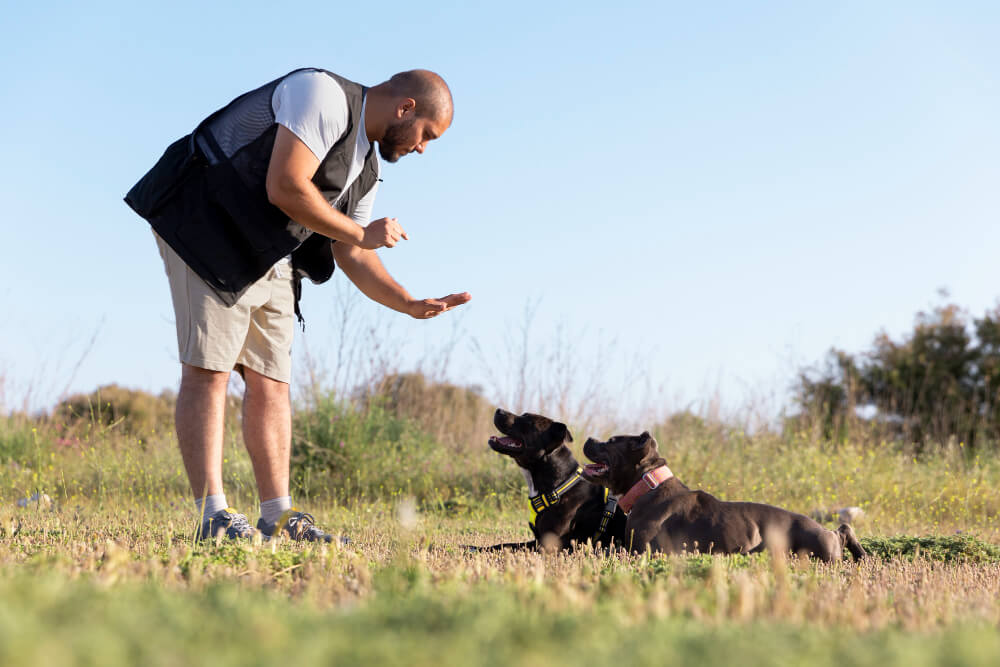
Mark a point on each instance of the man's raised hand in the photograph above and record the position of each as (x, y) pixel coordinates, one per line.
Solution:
(384, 232)
(423, 309)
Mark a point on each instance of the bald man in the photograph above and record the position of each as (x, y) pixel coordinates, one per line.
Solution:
(276, 186)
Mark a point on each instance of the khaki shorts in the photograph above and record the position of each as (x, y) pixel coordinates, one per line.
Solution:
(256, 332)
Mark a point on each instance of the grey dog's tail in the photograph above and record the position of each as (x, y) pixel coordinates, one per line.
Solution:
(849, 541)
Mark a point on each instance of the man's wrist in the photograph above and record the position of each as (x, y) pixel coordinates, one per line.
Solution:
(358, 234)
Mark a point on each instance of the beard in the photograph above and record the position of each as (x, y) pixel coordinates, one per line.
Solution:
(395, 140)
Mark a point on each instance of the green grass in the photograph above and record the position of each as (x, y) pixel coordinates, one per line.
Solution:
(110, 574)
(956, 548)
(42, 622)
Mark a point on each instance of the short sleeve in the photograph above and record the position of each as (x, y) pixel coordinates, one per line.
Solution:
(313, 106)
(362, 213)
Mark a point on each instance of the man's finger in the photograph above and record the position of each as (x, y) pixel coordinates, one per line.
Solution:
(435, 305)
(453, 300)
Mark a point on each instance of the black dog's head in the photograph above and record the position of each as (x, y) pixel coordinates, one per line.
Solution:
(528, 437)
(621, 461)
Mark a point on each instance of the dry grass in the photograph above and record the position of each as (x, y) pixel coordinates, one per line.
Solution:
(132, 575)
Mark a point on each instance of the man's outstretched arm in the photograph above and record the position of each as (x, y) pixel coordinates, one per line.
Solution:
(366, 270)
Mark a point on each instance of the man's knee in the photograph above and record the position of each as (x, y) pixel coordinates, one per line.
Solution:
(194, 379)
(263, 386)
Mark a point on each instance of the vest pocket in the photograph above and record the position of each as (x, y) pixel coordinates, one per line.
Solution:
(171, 171)
(230, 234)
(262, 224)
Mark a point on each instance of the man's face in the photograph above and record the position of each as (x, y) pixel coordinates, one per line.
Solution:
(409, 134)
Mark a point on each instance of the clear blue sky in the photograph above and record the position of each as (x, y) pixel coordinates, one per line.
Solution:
(726, 188)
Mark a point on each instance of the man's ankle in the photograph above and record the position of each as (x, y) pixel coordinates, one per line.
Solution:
(271, 510)
(209, 505)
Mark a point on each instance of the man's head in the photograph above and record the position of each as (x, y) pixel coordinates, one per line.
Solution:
(413, 108)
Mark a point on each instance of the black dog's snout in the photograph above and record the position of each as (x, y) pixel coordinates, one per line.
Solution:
(502, 419)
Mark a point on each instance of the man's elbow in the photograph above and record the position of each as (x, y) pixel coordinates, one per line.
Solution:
(283, 192)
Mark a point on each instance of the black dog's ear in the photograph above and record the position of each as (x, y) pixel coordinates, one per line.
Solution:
(560, 432)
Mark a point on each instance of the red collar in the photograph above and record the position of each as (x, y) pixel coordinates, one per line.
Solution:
(647, 482)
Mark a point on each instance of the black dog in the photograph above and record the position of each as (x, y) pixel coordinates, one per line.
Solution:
(665, 515)
(565, 508)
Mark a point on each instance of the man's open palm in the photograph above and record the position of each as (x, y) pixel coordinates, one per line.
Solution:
(427, 308)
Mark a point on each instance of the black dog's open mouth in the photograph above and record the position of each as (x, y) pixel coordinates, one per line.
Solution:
(505, 443)
(595, 470)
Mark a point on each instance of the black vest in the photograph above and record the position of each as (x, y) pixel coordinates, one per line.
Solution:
(207, 197)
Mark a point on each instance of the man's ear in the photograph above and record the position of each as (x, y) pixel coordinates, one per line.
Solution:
(405, 106)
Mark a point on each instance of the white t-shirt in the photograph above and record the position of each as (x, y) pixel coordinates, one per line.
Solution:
(312, 105)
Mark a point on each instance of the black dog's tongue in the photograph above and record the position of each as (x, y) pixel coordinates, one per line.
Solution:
(505, 441)
(596, 468)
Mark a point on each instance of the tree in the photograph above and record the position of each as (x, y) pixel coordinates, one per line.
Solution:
(941, 381)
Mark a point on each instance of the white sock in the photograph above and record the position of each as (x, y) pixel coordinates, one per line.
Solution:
(212, 504)
(271, 510)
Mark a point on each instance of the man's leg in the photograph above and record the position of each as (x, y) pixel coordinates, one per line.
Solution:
(200, 418)
(267, 432)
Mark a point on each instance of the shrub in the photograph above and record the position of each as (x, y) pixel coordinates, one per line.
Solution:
(368, 452)
(942, 381)
(457, 417)
(127, 411)
(17, 437)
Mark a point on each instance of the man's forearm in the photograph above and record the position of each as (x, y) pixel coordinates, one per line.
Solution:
(305, 204)
(366, 271)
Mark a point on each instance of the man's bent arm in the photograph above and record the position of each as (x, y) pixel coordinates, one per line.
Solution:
(365, 269)
(290, 188)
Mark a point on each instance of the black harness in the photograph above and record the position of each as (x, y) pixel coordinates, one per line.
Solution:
(545, 500)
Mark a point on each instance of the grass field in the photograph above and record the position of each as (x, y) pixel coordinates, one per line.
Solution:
(109, 573)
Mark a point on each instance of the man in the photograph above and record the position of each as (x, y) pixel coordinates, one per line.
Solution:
(275, 186)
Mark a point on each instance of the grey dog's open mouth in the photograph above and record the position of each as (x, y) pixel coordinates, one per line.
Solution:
(505, 442)
(596, 469)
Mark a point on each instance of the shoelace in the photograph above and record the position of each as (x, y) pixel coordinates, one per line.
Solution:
(239, 523)
(303, 523)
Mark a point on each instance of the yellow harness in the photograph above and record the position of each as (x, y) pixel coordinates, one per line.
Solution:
(544, 501)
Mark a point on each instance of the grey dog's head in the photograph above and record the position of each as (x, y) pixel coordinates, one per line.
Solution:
(620, 461)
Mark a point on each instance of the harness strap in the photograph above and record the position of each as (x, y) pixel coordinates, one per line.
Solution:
(610, 504)
(543, 501)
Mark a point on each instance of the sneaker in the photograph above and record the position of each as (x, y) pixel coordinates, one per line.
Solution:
(299, 526)
(228, 521)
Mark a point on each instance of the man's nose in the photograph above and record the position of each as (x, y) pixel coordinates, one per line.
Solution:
(420, 148)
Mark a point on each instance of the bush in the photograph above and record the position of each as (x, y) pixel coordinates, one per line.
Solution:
(17, 437)
(368, 452)
(940, 382)
(457, 417)
(127, 411)
(130, 411)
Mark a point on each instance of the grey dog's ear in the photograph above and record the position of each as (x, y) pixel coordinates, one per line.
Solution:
(643, 441)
